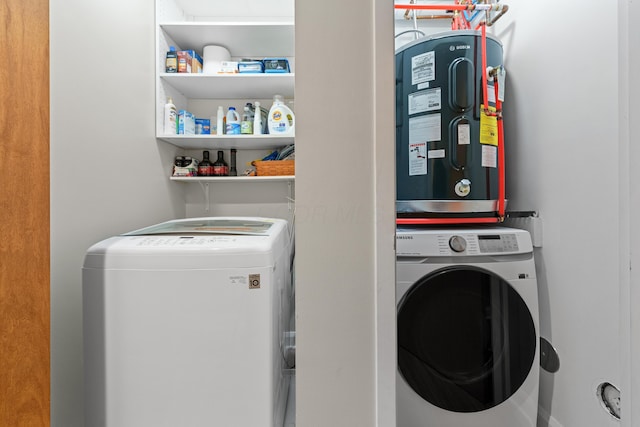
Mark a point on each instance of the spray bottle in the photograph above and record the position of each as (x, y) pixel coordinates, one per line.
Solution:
(257, 120)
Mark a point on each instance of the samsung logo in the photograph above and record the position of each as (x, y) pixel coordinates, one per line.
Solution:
(405, 237)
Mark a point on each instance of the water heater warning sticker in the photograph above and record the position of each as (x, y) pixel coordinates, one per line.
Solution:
(488, 127)
(425, 100)
(489, 156)
(425, 128)
(418, 159)
(423, 68)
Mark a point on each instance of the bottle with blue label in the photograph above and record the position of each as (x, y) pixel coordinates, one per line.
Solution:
(233, 122)
(281, 119)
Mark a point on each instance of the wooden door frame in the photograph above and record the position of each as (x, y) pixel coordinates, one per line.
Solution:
(24, 214)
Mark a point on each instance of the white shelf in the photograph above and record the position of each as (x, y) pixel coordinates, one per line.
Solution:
(226, 142)
(247, 86)
(243, 39)
(252, 179)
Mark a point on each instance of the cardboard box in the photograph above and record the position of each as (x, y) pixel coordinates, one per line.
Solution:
(186, 123)
(203, 126)
(184, 61)
(196, 62)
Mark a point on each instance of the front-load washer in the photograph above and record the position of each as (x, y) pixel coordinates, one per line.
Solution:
(184, 324)
(467, 328)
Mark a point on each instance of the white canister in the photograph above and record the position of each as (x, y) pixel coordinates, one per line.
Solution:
(212, 57)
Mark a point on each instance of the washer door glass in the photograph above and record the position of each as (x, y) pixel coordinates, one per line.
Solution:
(466, 339)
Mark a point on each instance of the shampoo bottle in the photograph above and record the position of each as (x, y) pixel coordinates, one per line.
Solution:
(281, 118)
(170, 118)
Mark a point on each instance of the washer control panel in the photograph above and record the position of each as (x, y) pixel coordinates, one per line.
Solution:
(475, 244)
(493, 243)
(434, 242)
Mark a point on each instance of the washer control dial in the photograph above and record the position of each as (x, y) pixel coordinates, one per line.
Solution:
(457, 243)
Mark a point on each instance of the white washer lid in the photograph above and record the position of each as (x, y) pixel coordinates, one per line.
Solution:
(196, 243)
(210, 225)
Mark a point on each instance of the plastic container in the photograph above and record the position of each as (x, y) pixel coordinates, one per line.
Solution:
(281, 118)
(257, 120)
(170, 118)
(220, 121)
(233, 122)
(246, 126)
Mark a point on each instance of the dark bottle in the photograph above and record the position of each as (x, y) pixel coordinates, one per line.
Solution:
(220, 167)
(232, 169)
(205, 167)
(171, 63)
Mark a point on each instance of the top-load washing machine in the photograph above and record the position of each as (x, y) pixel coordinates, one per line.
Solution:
(184, 324)
(467, 328)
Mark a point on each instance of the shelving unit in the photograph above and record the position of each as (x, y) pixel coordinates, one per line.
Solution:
(245, 179)
(227, 142)
(248, 86)
(255, 38)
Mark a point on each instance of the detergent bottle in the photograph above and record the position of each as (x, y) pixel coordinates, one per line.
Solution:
(281, 119)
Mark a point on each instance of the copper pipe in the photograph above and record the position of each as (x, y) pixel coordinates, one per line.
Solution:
(504, 10)
(434, 17)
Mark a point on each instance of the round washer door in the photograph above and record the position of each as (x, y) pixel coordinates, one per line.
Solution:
(466, 339)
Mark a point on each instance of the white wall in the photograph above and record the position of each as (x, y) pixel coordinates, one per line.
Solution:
(345, 213)
(108, 173)
(561, 121)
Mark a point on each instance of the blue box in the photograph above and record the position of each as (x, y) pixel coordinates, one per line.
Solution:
(276, 65)
(186, 123)
(250, 67)
(203, 126)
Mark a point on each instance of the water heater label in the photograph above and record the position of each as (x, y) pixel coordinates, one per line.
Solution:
(425, 128)
(418, 159)
(489, 156)
(425, 100)
(491, 94)
(488, 127)
(464, 134)
(423, 68)
(436, 154)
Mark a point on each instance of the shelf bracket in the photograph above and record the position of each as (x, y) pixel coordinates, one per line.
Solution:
(205, 190)
(290, 199)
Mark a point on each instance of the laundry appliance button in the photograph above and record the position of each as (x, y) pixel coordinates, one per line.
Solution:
(457, 243)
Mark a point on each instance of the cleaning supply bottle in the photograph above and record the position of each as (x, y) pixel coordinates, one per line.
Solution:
(233, 122)
(170, 118)
(220, 121)
(246, 125)
(257, 120)
(281, 118)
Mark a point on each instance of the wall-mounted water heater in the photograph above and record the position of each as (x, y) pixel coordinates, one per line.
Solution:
(449, 162)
